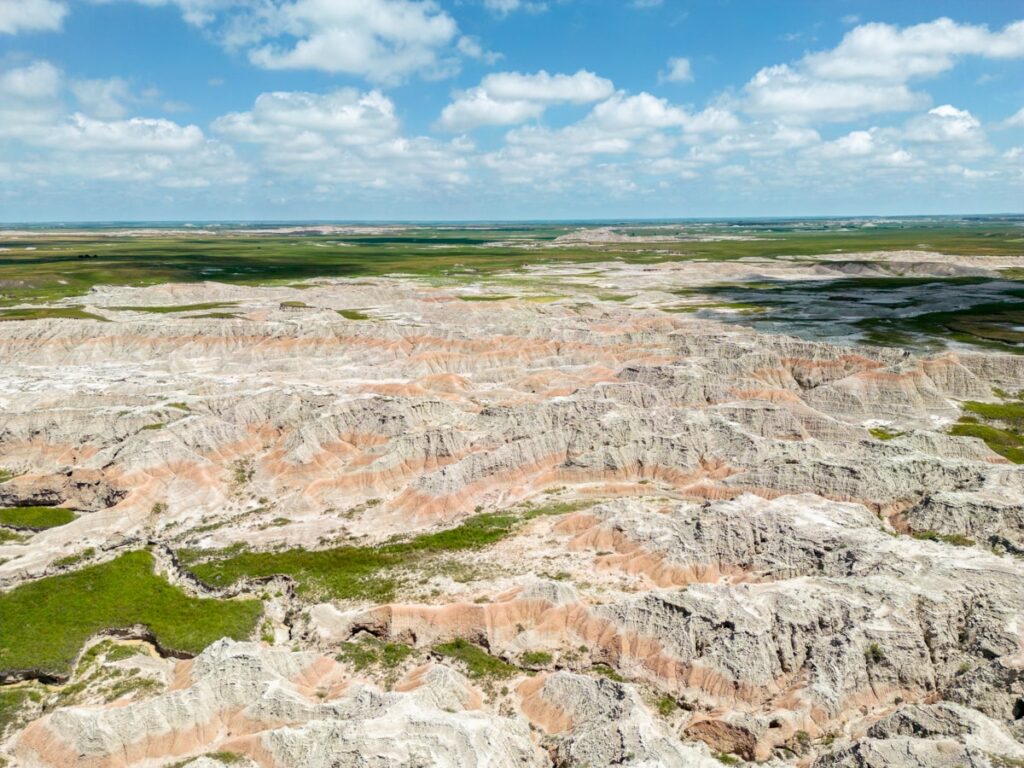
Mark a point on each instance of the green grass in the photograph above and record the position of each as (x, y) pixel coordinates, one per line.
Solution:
(479, 663)
(667, 706)
(44, 623)
(12, 537)
(294, 305)
(172, 309)
(54, 270)
(48, 313)
(11, 702)
(486, 298)
(1004, 432)
(5, 475)
(535, 658)
(881, 433)
(36, 518)
(363, 573)
(955, 539)
(605, 671)
(371, 653)
(353, 314)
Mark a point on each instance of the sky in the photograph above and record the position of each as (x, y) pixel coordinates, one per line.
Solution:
(508, 109)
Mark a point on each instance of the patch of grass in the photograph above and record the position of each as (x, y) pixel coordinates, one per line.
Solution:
(956, 539)
(75, 559)
(605, 671)
(154, 427)
(180, 407)
(487, 297)
(5, 475)
(667, 706)
(44, 623)
(173, 309)
(726, 759)
(11, 702)
(479, 663)
(874, 654)
(243, 471)
(350, 572)
(881, 433)
(1004, 432)
(535, 658)
(372, 652)
(12, 537)
(353, 314)
(36, 518)
(294, 305)
(49, 313)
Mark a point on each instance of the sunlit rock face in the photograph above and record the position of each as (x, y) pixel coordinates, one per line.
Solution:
(742, 568)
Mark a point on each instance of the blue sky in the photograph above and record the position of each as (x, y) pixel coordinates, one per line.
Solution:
(503, 109)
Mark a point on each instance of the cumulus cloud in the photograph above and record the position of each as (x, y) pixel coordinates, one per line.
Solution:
(1016, 120)
(342, 136)
(31, 16)
(791, 93)
(677, 70)
(507, 98)
(59, 144)
(505, 7)
(382, 40)
(869, 71)
(103, 98)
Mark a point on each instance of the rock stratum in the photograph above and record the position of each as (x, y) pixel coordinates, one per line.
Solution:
(730, 565)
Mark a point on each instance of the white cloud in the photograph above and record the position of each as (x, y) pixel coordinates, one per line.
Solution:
(31, 16)
(382, 40)
(471, 48)
(886, 52)
(505, 7)
(677, 70)
(103, 98)
(345, 136)
(346, 115)
(1015, 120)
(789, 93)
(39, 80)
(945, 123)
(869, 71)
(507, 98)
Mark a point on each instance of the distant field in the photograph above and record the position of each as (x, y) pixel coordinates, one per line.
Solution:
(49, 266)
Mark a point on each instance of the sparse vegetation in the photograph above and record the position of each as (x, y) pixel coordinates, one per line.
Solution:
(956, 539)
(44, 623)
(1000, 425)
(370, 652)
(881, 433)
(353, 314)
(874, 654)
(176, 308)
(35, 518)
(667, 706)
(361, 573)
(535, 658)
(478, 662)
(48, 313)
(727, 759)
(605, 671)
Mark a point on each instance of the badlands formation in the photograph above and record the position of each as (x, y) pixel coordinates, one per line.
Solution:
(714, 545)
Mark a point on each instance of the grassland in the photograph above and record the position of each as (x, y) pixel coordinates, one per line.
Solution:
(360, 573)
(1000, 425)
(35, 518)
(50, 265)
(44, 624)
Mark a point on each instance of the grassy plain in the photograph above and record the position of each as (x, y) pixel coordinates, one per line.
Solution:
(53, 265)
(44, 624)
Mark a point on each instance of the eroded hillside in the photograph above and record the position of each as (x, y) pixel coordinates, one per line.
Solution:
(573, 515)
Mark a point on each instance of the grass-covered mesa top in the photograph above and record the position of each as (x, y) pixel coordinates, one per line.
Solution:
(35, 518)
(45, 623)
